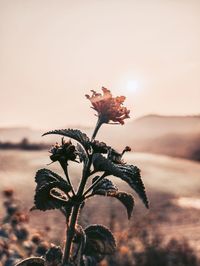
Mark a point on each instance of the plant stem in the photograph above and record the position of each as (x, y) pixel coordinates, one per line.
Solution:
(64, 167)
(70, 235)
(98, 125)
(75, 211)
(74, 216)
(94, 184)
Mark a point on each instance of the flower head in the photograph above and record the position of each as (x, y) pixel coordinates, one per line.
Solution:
(109, 108)
(64, 152)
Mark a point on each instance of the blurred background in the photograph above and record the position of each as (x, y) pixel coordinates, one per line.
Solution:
(52, 53)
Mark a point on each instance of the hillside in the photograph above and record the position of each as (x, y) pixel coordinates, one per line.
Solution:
(170, 135)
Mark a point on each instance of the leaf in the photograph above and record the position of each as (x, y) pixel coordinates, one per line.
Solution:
(99, 147)
(54, 255)
(103, 187)
(88, 261)
(75, 134)
(51, 191)
(131, 175)
(106, 188)
(34, 261)
(103, 164)
(99, 241)
(126, 199)
(128, 173)
(44, 176)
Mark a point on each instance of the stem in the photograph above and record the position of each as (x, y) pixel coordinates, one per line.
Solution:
(74, 216)
(89, 196)
(75, 211)
(64, 167)
(94, 184)
(70, 235)
(98, 125)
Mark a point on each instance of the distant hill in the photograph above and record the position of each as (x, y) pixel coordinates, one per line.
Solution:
(16, 134)
(156, 125)
(171, 135)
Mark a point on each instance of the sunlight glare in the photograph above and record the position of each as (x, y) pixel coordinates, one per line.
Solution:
(132, 86)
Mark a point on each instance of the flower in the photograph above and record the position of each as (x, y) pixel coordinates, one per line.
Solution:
(64, 152)
(109, 108)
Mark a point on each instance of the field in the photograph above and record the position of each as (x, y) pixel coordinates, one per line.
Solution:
(172, 185)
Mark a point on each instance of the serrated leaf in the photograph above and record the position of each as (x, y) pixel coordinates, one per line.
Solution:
(75, 134)
(50, 191)
(126, 199)
(34, 261)
(99, 241)
(129, 173)
(103, 164)
(106, 188)
(44, 176)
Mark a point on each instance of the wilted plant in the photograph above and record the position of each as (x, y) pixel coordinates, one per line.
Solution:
(86, 246)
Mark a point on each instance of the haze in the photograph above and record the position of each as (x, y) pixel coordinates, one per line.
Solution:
(53, 52)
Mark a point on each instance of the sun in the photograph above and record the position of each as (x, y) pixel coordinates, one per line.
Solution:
(132, 86)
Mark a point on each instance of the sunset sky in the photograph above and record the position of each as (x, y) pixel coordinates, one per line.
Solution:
(52, 52)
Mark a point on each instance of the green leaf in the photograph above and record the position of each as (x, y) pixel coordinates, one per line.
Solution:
(50, 191)
(99, 241)
(75, 134)
(34, 261)
(129, 173)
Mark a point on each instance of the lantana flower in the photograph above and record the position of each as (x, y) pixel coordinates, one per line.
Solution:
(64, 152)
(109, 108)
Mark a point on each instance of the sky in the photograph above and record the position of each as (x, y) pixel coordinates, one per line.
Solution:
(53, 52)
